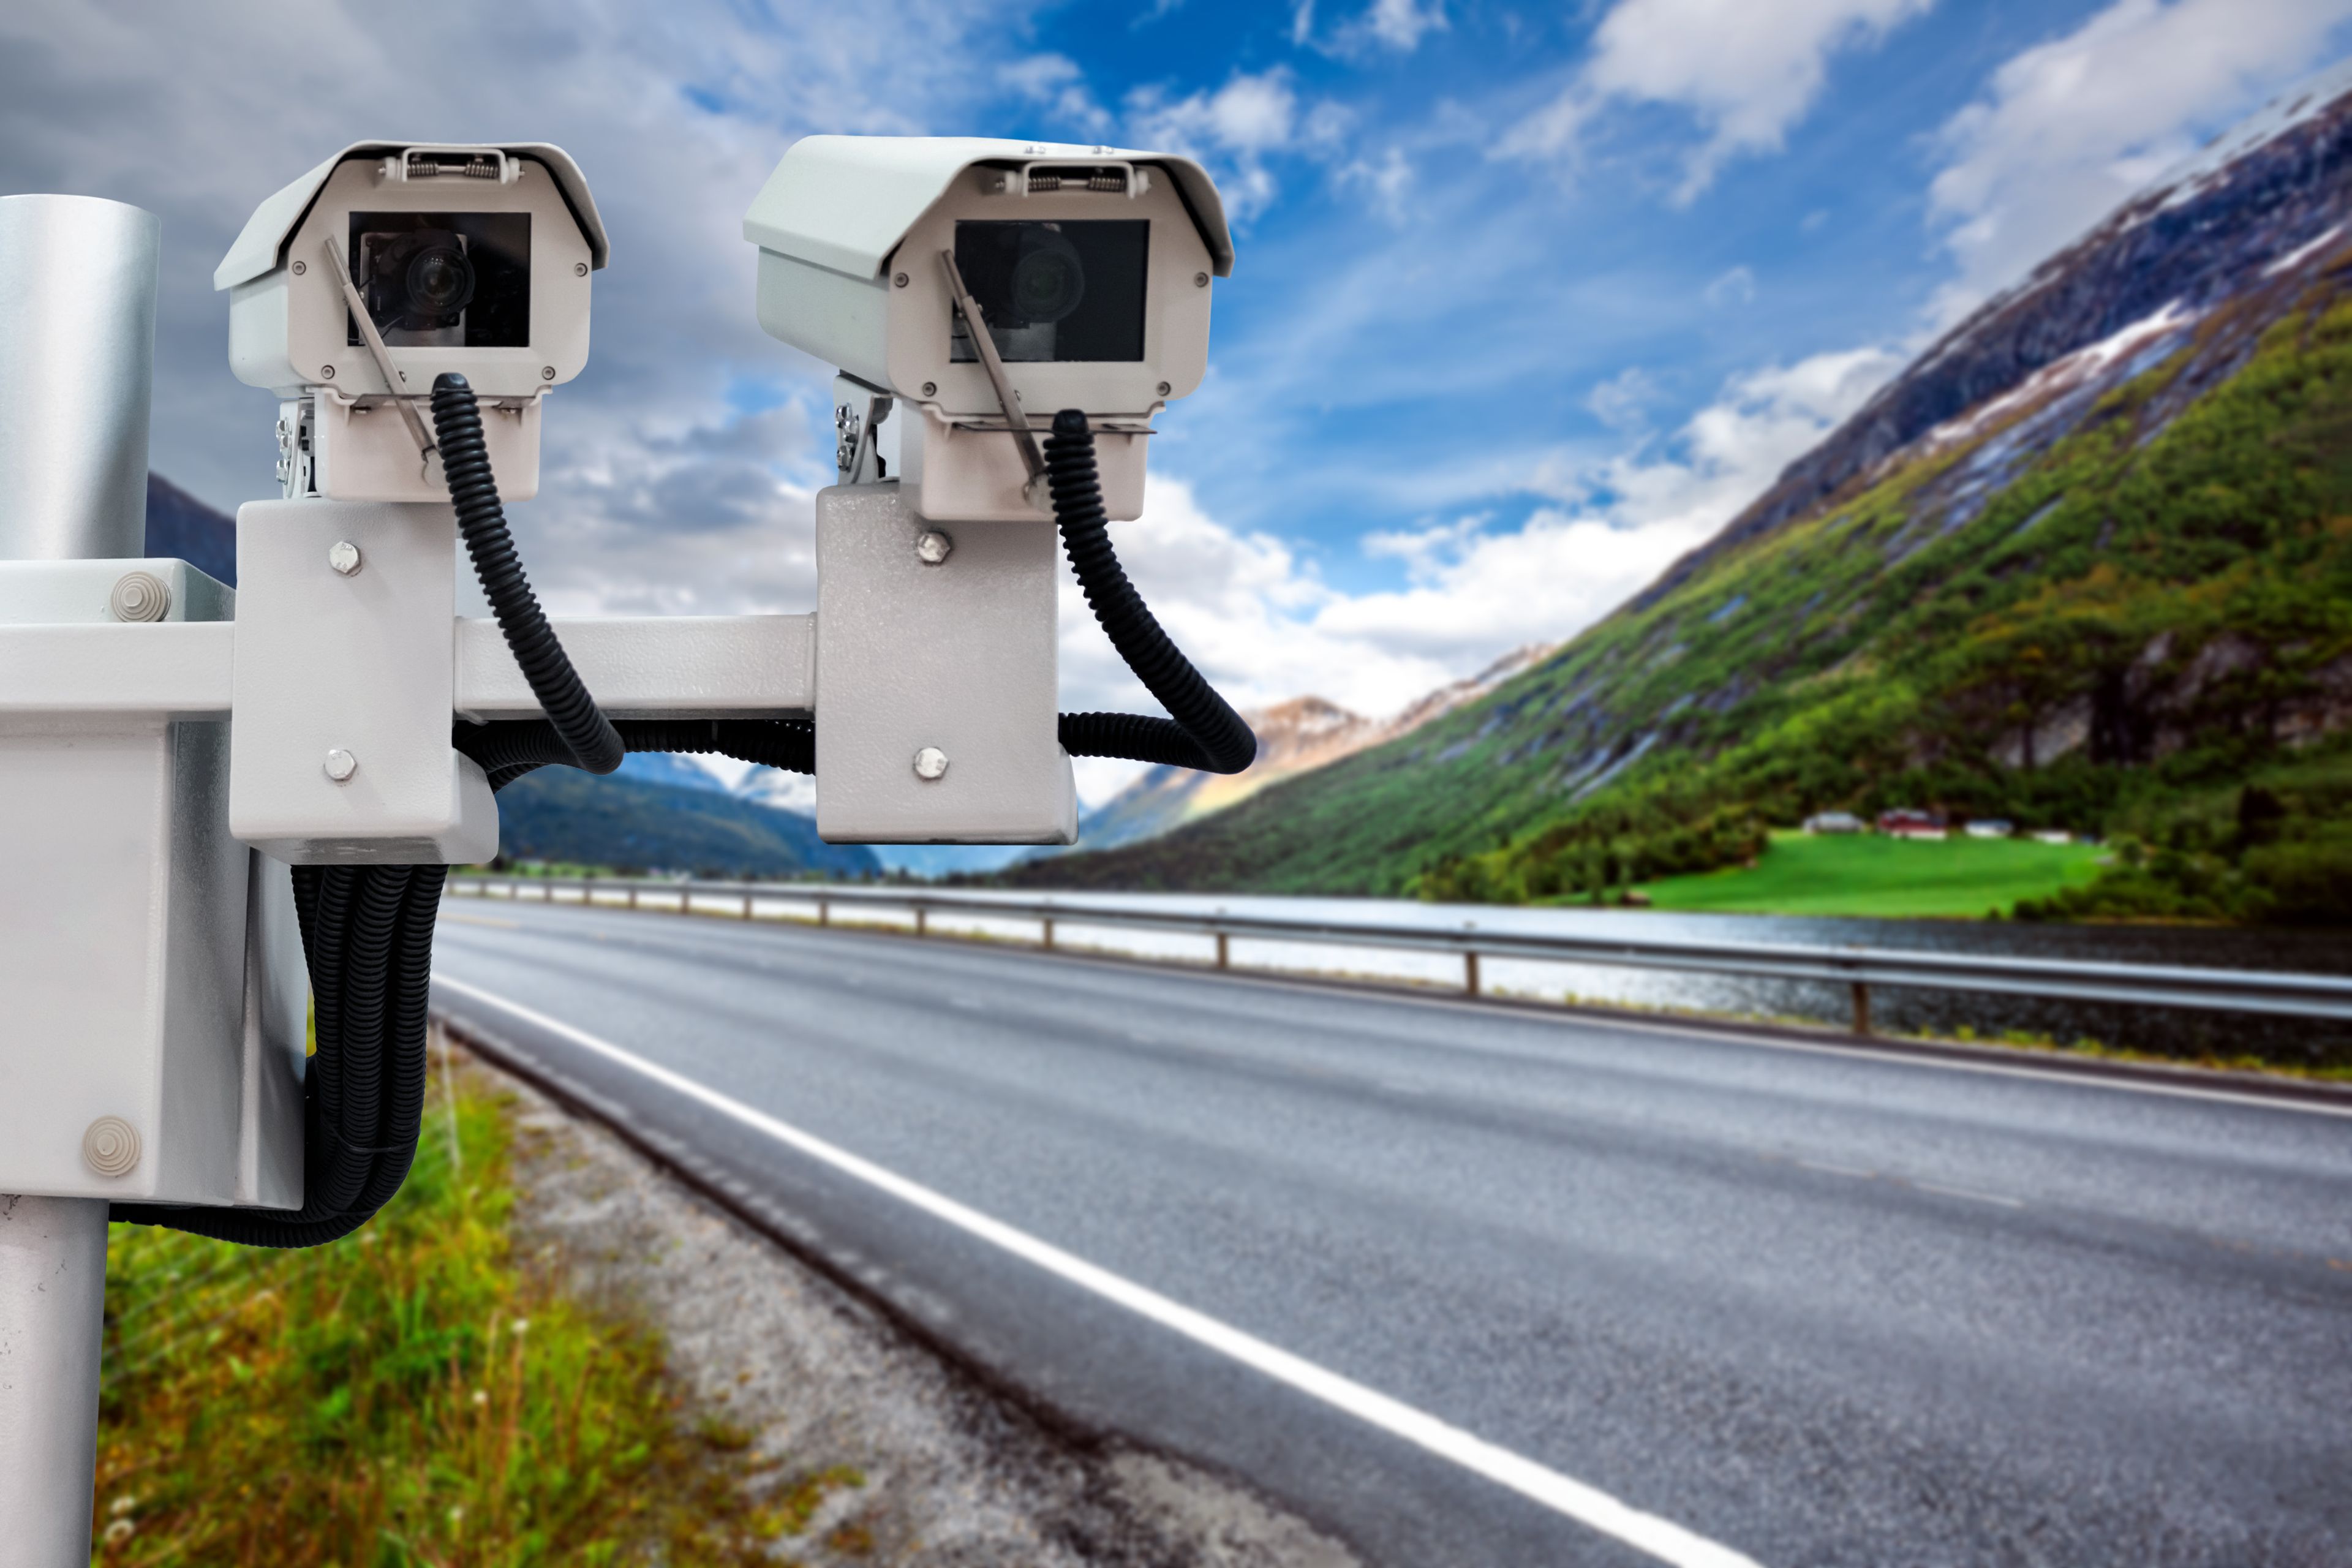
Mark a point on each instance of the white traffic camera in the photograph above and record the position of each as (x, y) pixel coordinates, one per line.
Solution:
(1090, 266)
(390, 264)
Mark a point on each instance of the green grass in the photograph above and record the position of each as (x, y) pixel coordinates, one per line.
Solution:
(412, 1396)
(1869, 874)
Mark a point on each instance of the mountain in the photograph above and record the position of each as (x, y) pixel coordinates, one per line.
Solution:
(2087, 564)
(1293, 737)
(631, 823)
(181, 526)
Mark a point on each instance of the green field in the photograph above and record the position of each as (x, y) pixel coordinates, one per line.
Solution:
(1869, 874)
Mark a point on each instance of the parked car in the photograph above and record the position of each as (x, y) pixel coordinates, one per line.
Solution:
(1991, 828)
(1905, 823)
(1834, 822)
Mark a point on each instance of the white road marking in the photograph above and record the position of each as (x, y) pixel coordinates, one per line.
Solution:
(1972, 1196)
(1589, 1506)
(1837, 1169)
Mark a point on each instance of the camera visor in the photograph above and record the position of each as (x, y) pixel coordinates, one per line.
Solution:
(1054, 290)
(443, 280)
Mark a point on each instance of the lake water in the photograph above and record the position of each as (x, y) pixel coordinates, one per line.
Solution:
(2175, 1032)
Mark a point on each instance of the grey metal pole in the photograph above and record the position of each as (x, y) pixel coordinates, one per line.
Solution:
(77, 349)
(78, 342)
(52, 1321)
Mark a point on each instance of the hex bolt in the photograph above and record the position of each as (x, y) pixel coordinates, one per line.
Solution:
(931, 546)
(1165, 389)
(1200, 281)
(579, 269)
(139, 596)
(341, 766)
(931, 764)
(900, 282)
(931, 389)
(299, 269)
(345, 557)
(326, 372)
(547, 373)
(110, 1146)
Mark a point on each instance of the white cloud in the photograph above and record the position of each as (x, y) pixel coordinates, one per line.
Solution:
(1057, 82)
(1746, 69)
(2068, 128)
(1264, 627)
(1623, 401)
(1403, 24)
(1736, 287)
(1233, 130)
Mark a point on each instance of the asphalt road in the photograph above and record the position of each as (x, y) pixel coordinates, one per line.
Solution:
(1798, 1306)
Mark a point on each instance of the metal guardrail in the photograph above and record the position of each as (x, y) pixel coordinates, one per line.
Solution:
(1859, 968)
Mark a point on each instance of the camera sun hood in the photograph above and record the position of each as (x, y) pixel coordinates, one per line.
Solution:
(261, 247)
(844, 203)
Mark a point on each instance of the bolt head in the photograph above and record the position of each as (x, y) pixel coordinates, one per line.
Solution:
(900, 281)
(345, 557)
(547, 373)
(139, 596)
(1165, 389)
(930, 763)
(931, 546)
(341, 766)
(931, 389)
(326, 372)
(1200, 281)
(299, 269)
(109, 1146)
(579, 269)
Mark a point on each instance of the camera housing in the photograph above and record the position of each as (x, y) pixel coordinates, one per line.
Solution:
(468, 258)
(1091, 267)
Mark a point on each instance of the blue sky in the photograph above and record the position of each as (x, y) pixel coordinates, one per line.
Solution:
(1530, 299)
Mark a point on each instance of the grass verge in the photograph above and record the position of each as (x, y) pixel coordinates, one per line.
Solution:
(1871, 875)
(415, 1394)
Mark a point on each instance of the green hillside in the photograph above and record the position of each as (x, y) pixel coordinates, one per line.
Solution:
(2127, 615)
(1869, 874)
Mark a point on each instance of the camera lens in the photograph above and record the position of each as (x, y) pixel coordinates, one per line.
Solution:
(1048, 281)
(440, 281)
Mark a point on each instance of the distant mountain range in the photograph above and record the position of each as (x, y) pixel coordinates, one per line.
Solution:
(2087, 564)
(1293, 737)
(631, 823)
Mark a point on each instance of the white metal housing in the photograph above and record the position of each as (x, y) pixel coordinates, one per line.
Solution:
(850, 230)
(163, 983)
(290, 324)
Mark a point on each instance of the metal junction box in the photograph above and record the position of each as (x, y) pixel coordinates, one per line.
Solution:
(151, 964)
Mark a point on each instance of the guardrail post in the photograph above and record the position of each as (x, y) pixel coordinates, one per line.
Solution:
(685, 898)
(824, 912)
(633, 895)
(747, 906)
(1470, 974)
(1047, 941)
(1861, 1008)
(1225, 950)
(921, 925)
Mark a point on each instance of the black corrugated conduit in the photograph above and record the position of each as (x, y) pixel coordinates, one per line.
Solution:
(1205, 731)
(367, 933)
(588, 736)
(509, 750)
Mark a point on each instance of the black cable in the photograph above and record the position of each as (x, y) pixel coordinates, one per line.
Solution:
(589, 737)
(367, 933)
(1205, 733)
(509, 750)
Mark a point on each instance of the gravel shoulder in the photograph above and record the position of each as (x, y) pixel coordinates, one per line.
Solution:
(924, 1465)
